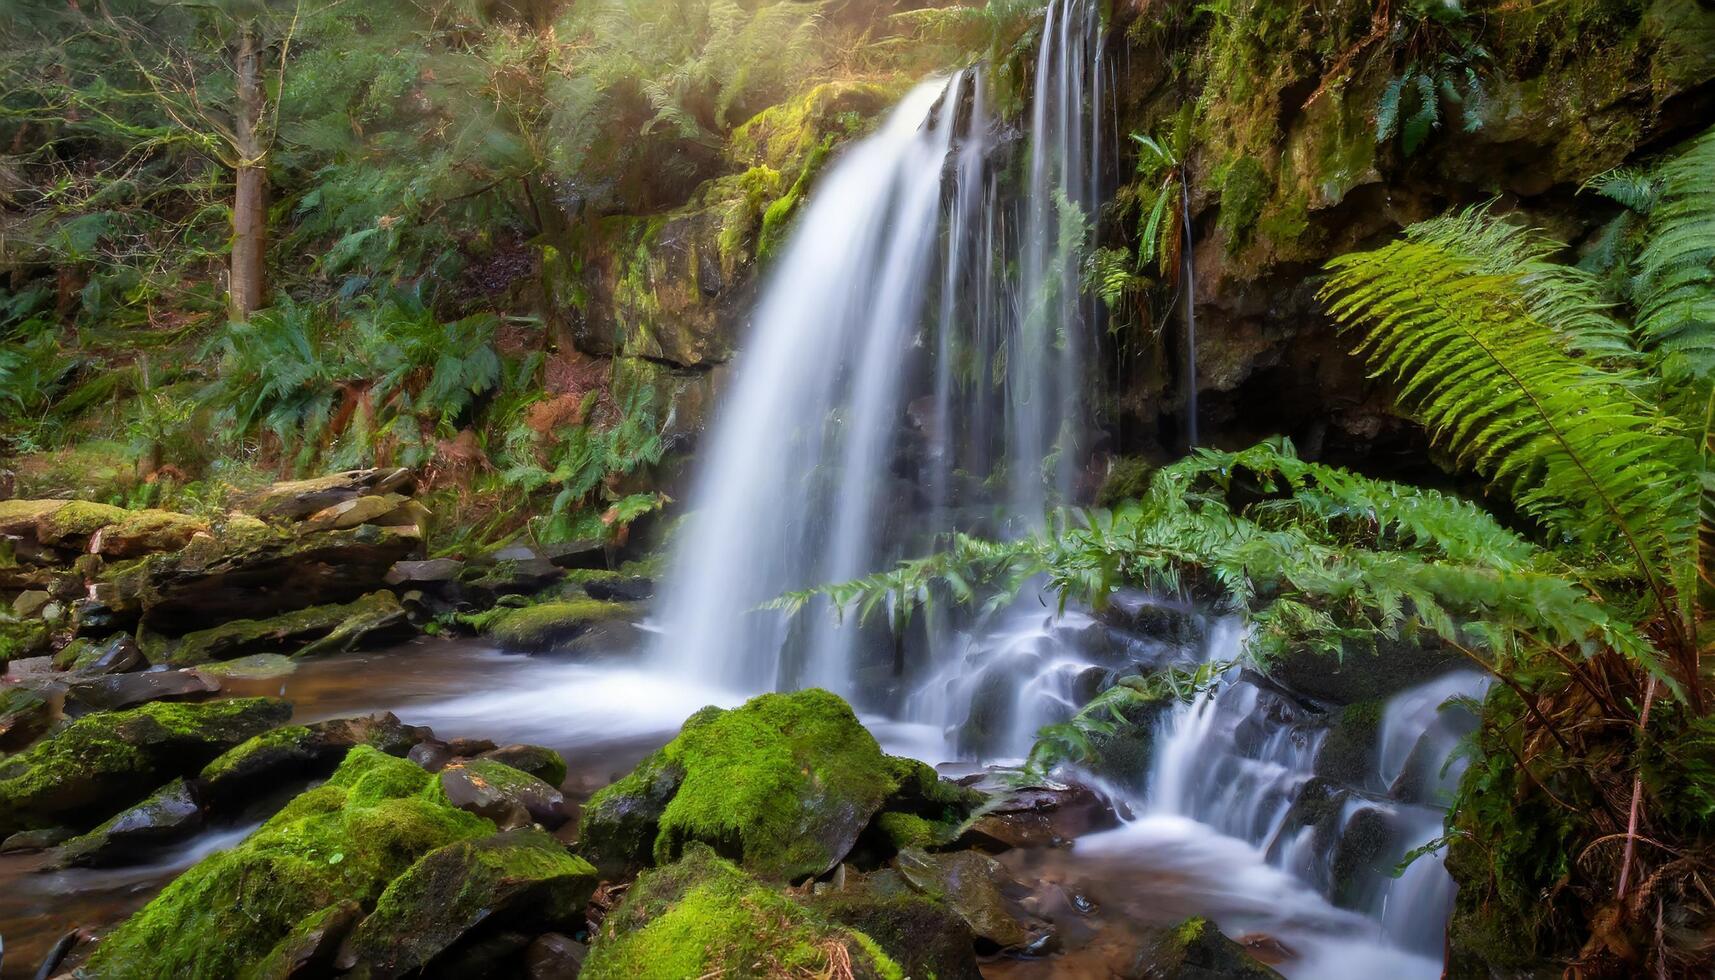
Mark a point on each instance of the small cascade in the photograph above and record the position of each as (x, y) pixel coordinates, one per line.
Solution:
(915, 365)
(1256, 764)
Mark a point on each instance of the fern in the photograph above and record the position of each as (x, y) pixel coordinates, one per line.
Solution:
(1675, 283)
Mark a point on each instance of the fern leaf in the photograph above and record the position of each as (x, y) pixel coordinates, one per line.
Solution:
(1675, 284)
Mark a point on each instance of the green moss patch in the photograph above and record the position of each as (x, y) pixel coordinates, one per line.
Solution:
(344, 840)
(540, 627)
(704, 917)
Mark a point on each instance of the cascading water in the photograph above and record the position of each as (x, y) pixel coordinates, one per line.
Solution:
(839, 448)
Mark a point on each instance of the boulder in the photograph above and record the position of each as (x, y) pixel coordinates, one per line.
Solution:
(543, 763)
(29, 604)
(71, 526)
(620, 588)
(20, 639)
(27, 841)
(704, 917)
(247, 570)
(310, 948)
(784, 785)
(25, 714)
(503, 794)
(112, 692)
(374, 618)
(550, 625)
(140, 532)
(116, 655)
(433, 570)
(343, 841)
(171, 814)
(924, 936)
(99, 763)
(981, 892)
(1195, 950)
(18, 517)
(553, 956)
(296, 753)
(1043, 815)
(298, 499)
(521, 879)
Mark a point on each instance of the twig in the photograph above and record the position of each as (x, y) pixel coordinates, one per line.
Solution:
(1637, 799)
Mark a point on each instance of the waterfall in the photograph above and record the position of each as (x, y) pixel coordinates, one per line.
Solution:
(920, 295)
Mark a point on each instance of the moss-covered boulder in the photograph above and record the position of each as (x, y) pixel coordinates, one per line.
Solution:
(705, 917)
(537, 760)
(310, 948)
(522, 880)
(294, 753)
(502, 794)
(785, 785)
(549, 625)
(72, 525)
(1196, 950)
(22, 638)
(924, 936)
(115, 655)
(335, 627)
(18, 517)
(101, 762)
(345, 840)
(140, 532)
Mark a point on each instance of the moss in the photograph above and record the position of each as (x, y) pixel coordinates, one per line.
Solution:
(543, 763)
(1195, 948)
(524, 877)
(1245, 187)
(19, 639)
(141, 531)
(19, 517)
(284, 739)
(923, 936)
(1347, 752)
(904, 830)
(308, 950)
(103, 761)
(345, 840)
(539, 627)
(78, 519)
(705, 917)
(312, 630)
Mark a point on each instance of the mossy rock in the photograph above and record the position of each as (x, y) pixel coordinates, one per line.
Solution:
(1348, 752)
(924, 936)
(170, 814)
(502, 794)
(301, 752)
(1196, 950)
(537, 760)
(345, 840)
(546, 625)
(140, 532)
(22, 638)
(103, 761)
(705, 917)
(315, 630)
(979, 891)
(25, 714)
(1127, 479)
(76, 521)
(18, 517)
(784, 785)
(521, 880)
(310, 948)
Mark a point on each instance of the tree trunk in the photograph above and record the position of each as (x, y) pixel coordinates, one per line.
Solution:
(247, 283)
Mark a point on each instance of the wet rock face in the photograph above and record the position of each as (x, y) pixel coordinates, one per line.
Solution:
(297, 753)
(24, 715)
(1040, 816)
(981, 892)
(115, 691)
(1196, 950)
(924, 936)
(503, 795)
(172, 813)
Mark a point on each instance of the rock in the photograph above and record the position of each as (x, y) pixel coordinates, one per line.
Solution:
(22, 639)
(247, 570)
(543, 763)
(117, 655)
(101, 762)
(784, 784)
(18, 517)
(72, 525)
(301, 498)
(1371, 670)
(489, 579)
(1196, 950)
(374, 508)
(703, 917)
(24, 715)
(29, 604)
(310, 948)
(1046, 815)
(980, 892)
(25, 841)
(620, 588)
(520, 879)
(554, 957)
(431, 754)
(924, 936)
(374, 618)
(343, 841)
(549, 625)
(297, 753)
(112, 692)
(503, 794)
(257, 666)
(467, 747)
(140, 532)
(419, 572)
(171, 814)
(1149, 616)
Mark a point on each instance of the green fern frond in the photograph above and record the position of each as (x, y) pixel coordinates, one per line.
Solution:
(1675, 284)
